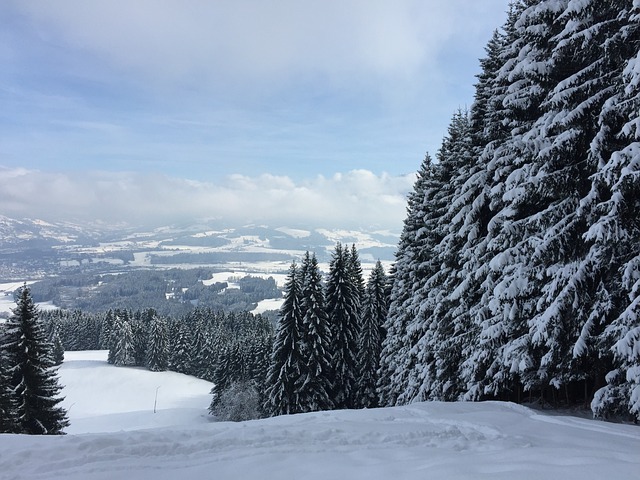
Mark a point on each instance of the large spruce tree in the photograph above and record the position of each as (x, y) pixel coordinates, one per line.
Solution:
(34, 380)
(343, 306)
(414, 266)
(8, 409)
(287, 369)
(180, 353)
(157, 349)
(612, 330)
(371, 335)
(316, 386)
(123, 344)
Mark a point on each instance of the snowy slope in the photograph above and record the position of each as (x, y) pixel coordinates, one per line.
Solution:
(429, 440)
(102, 398)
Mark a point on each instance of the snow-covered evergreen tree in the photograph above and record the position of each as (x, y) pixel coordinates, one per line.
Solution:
(448, 325)
(180, 355)
(287, 362)
(34, 378)
(615, 230)
(519, 272)
(104, 340)
(371, 336)
(157, 349)
(316, 385)
(258, 358)
(222, 375)
(414, 266)
(230, 369)
(200, 352)
(140, 335)
(343, 305)
(433, 353)
(57, 352)
(109, 337)
(123, 346)
(355, 267)
(488, 131)
(8, 408)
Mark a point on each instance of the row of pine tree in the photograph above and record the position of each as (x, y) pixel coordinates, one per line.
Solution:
(223, 348)
(329, 337)
(324, 354)
(518, 270)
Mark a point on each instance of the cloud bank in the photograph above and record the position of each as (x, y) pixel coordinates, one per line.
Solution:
(355, 199)
(194, 40)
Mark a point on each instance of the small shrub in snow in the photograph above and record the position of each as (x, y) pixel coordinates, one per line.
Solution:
(239, 402)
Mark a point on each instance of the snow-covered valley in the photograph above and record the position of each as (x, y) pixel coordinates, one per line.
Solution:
(115, 434)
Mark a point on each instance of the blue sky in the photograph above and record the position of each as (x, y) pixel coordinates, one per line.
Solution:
(286, 95)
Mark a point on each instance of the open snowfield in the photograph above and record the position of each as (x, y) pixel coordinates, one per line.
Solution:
(7, 302)
(115, 434)
(102, 398)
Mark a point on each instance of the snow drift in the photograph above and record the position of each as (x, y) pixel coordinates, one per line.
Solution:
(424, 440)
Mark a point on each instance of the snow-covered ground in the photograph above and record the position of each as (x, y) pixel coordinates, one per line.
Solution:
(489, 440)
(102, 398)
(268, 304)
(7, 303)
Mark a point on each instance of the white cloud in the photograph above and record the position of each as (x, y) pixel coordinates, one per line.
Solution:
(249, 40)
(353, 199)
(292, 87)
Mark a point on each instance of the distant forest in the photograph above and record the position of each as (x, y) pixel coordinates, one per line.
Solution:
(323, 354)
(169, 292)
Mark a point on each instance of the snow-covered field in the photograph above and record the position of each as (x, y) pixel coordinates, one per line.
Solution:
(268, 304)
(7, 303)
(125, 439)
(102, 398)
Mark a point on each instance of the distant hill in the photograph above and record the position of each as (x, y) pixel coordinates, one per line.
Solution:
(31, 248)
(96, 267)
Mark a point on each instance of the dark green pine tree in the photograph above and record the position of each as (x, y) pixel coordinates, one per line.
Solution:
(157, 349)
(259, 368)
(315, 389)
(221, 375)
(287, 363)
(614, 235)
(180, 357)
(108, 337)
(140, 335)
(342, 307)
(57, 354)
(370, 341)
(408, 276)
(8, 408)
(201, 354)
(123, 346)
(355, 267)
(33, 376)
